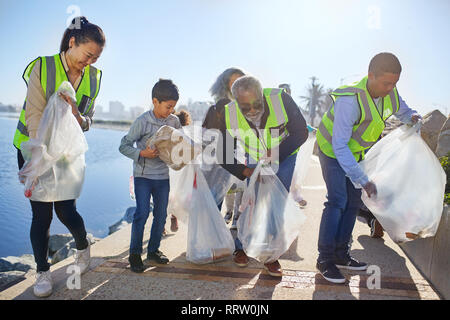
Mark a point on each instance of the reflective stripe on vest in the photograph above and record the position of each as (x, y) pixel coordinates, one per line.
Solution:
(370, 125)
(238, 126)
(52, 75)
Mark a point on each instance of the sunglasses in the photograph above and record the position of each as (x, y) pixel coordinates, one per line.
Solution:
(246, 107)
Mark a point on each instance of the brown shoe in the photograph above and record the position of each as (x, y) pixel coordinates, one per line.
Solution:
(240, 258)
(173, 224)
(274, 269)
(376, 230)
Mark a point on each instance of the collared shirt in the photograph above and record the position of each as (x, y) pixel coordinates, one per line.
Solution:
(36, 101)
(346, 116)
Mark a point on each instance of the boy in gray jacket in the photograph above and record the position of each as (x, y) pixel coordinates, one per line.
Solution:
(151, 174)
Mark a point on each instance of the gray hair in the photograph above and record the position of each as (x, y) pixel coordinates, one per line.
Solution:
(247, 84)
(219, 89)
(285, 86)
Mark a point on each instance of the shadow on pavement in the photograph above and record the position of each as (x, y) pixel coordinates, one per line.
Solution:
(395, 278)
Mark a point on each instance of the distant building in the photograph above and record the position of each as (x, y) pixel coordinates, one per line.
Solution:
(98, 110)
(136, 112)
(10, 108)
(117, 110)
(100, 113)
(196, 109)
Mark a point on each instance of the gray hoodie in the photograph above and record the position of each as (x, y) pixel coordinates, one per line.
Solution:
(143, 128)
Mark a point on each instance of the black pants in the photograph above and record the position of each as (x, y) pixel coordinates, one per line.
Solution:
(66, 212)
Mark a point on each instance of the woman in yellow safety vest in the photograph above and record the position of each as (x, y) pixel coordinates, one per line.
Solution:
(81, 46)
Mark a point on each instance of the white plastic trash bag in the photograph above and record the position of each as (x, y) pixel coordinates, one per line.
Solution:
(301, 167)
(54, 160)
(270, 220)
(209, 239)
(181, 191)
(410, 185)
(218, 179)
(175, 148)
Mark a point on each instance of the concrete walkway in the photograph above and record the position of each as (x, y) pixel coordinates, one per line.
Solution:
(109, 276)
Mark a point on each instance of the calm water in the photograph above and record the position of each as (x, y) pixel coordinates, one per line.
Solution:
(103, 201)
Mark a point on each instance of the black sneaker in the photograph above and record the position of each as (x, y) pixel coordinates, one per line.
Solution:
(352, 264)
(157, 257)
(330, 272)
(136, 264)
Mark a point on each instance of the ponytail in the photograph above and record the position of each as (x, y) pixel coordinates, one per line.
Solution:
(83, 31)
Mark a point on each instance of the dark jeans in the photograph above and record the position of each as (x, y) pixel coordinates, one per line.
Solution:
(66, 212)
(144, 189)
(339, 215)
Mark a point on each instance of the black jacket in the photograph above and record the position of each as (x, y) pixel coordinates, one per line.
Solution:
(296, 127)
(215, 114)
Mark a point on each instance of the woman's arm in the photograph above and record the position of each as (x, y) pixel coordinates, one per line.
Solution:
(35, 101)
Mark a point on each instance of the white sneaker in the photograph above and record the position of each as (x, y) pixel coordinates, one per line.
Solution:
(43, 287)
(83, 259)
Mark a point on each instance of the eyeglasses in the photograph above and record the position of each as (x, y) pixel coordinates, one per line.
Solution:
(246, 107)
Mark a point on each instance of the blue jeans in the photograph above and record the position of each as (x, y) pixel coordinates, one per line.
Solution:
(284, 173)
(144, 189)
(339, 215)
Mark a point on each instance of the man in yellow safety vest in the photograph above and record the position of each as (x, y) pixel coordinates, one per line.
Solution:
(350, 127)
(265, 123)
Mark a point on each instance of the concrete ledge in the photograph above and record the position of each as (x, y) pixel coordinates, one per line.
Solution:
(432, 256)
(113, 246)
(440, 264)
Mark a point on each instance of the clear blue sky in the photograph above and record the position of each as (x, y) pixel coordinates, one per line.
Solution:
(193, 41)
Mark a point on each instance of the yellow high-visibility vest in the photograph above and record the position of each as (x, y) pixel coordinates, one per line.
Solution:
(52, 75)
(274, 132)
(370, 126)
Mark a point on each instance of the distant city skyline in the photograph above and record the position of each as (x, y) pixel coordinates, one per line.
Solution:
(118, 111)
(192, 42)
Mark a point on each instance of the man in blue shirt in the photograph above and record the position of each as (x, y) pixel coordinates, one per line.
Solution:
(340, 167)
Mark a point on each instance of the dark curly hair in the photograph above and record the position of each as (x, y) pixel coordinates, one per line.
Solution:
(184, 116)
(165, 90)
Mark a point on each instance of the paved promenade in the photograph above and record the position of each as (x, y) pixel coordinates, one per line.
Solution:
(110, 277)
